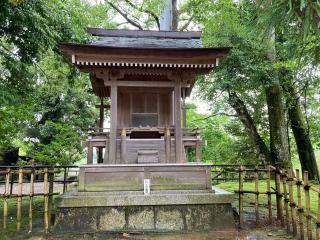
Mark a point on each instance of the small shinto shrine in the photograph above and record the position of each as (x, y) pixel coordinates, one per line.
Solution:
(142, 179)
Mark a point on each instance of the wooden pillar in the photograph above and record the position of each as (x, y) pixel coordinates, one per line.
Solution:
(113, 122)
(90, 152)
(123, 153)
(167, 140)
(101, 120)
(184, 109)
(177, 120)
(198, 151)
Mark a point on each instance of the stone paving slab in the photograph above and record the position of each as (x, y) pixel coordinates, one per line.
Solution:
(107, 199)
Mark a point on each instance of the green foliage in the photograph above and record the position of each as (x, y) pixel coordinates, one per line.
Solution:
(46, 106)
(63, 110)
(64, 147)
(305, 14)
(12, 120)
(225, 140)
(135, 13)
(246, 70)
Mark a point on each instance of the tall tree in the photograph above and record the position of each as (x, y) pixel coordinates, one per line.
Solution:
(249, 125)
(243, 72)
(279, 144)
(145, 15)
(297, 23)
(44, 103)
(299, 127)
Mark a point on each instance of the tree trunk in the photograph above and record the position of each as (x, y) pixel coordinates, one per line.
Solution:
(279, 144)
(298, 125)
(175, 16)
(247, 121)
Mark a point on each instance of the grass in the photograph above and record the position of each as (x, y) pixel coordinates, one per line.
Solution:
(249, 198)
(11, 231)
(296, 161)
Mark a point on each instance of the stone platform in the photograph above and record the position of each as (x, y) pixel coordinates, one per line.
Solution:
(130, 177)
(182, 210)
(112, 198)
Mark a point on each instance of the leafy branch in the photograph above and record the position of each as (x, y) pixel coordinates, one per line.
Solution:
(125, 15)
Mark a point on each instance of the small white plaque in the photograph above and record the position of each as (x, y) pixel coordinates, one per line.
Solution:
(146, 186)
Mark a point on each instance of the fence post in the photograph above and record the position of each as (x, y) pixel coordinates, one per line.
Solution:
(241, 177)
(256, 183)
(318, 217)
(46, 218)
(269, 195)
(279, 197)
(64, 180)
(31, 193)
(307, 197)
(286, 200)
(19, 198)
(51, 179)
(6, 194)
(300, 209)
(11, 183)
(292, 204)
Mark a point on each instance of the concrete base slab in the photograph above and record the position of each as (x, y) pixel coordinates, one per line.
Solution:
(188, 210)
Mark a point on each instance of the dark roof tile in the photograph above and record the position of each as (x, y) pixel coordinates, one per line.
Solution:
(147, 42)
(143, 33)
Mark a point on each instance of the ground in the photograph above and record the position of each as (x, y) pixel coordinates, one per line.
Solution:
(250, 232)
(262, 233)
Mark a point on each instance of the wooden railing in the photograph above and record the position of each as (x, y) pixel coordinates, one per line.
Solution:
(290, 214)
(185, 131)
(31, 175)
(284, 193)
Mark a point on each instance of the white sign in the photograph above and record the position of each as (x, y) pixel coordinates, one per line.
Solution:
(146, 186)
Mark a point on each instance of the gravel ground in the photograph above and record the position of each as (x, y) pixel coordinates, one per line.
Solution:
(250, 231)
(263, 233)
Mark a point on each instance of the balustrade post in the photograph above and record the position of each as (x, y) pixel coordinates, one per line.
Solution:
(167, 140)
(123, 147)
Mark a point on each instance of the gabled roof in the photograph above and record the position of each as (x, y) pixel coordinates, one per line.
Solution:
(137, 48)
(137, 52)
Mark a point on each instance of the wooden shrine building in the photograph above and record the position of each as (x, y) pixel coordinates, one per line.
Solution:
(144, 182)
(146, 75)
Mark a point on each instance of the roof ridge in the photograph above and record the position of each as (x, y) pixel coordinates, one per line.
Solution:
(143, 33)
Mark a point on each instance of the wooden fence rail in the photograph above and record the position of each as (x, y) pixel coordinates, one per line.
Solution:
(286, 197)
(293, 209)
